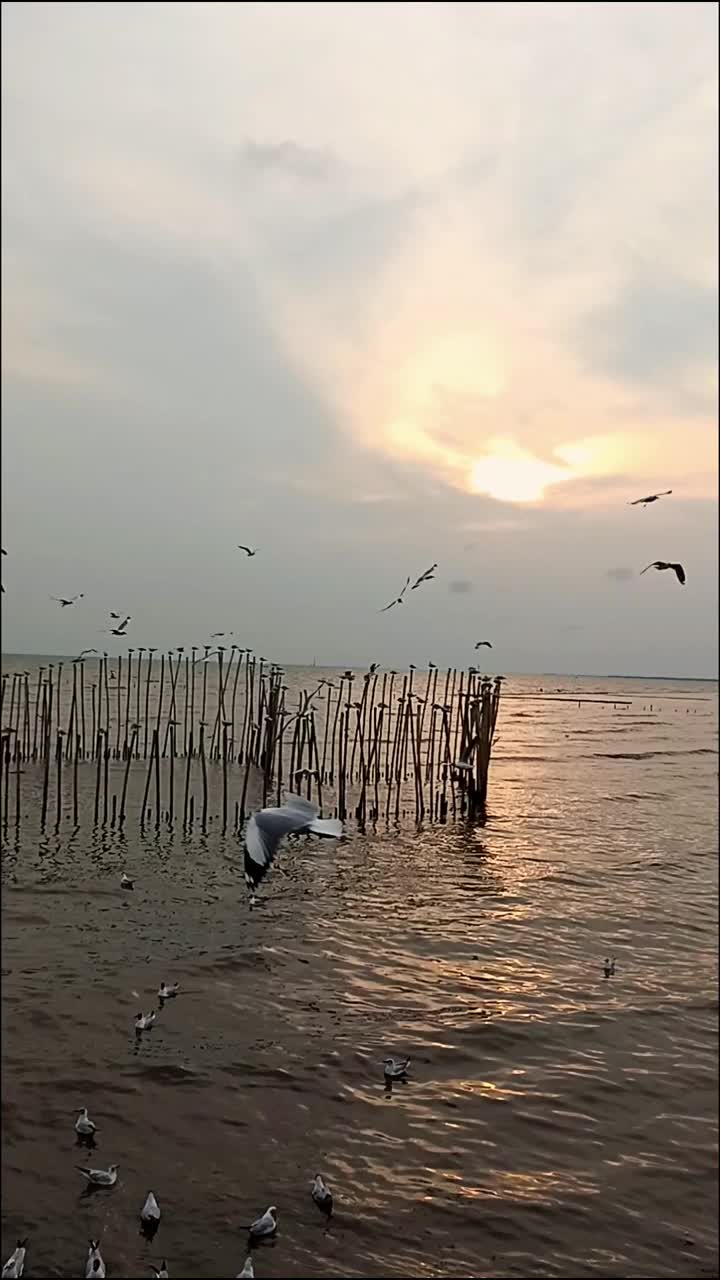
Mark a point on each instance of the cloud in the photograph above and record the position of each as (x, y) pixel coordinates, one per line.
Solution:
(620, 575)
(460, 586)
(313, 164)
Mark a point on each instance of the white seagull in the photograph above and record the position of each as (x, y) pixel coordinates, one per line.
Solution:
(126, 882)
(150, 1211)
(15, 1264)
(84, 1127)
(144, 1022)
(322, 1196)
(162, 1273)
(395, 1068)
(265, 1225)
(95, 1265)
(166, 992)
(100, 1177)
(248, 1271)
(609, 967)
(267, 828)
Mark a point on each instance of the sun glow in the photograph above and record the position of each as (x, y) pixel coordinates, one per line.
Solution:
(511, 474)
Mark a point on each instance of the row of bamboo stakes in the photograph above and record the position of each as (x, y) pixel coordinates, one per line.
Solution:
(358, 744)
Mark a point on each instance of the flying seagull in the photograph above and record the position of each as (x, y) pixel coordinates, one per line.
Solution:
(398, 599)
(651, 497)
(64, 604)
(667, 564)
(427, 576)
(248, 550)
(267, 828)
(480, 644)
(83, 653)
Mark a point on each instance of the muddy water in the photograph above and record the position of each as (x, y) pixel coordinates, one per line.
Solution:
(554, 1122)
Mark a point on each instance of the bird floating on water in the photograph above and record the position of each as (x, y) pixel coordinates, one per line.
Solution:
(161, 1272)
(268, 827)
(167, 992)
(395, 1068)
(126, 882)
(248, 1271)
(144, 1022)
(95, 1265)
(609, 967)
(397, 600)
(100, 1177)
(651, 497)
(84, 1126)
(667, 564)
(65, 604)
(15, 1264)
(483, 643)
(265, 1225)
(150, 1212)
(249, 551)
(322, 1196)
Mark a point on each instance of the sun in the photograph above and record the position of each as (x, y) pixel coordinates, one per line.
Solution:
(511, 474)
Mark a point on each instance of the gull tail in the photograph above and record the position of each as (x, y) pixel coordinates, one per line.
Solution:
(327, 827)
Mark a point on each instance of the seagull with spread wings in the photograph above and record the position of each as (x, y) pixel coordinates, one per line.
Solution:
(398, 599)
(651, 497)
(267, 828)
(248, 550)
(667, 564)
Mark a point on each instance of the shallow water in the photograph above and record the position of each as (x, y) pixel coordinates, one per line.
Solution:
(554, 1122)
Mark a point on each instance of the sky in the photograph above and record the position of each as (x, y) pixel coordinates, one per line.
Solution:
(367, 287)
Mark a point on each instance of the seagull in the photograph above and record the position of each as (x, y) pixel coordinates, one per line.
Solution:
(144, 1022)
(216, 635)
(248, 1271)
(64, 604)
(15, 1264)
(100, 1177)
(480, 644)
(150, 1212)
(667, 564)
(162, 1272)
(120, 631)
(248, 550)
(126, 882)
(427, 576)
(84, 1127)
(398, 599)
(651, 497)
(395, 1068)
(322, 1196)
(83, 653)
(609, 967)
(166, 992)
(264, 1226)
(267, 828)
(94, 1265)
(4, 553)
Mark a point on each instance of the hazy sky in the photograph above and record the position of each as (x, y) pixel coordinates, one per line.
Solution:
(367, 286)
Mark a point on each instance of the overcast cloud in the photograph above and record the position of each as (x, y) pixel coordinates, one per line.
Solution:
(367, 287)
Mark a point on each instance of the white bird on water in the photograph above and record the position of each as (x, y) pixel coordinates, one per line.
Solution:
(166, 992)
(395, 1068)
(268, 827)
(15, 1264)
(322, 1196)
(144, 1022)
(95, 1265)
(609, 967)
(100, 1177)
(265, 1225)
(126, 882)
(248, 1271)
(162, 1273)
(84, 1126)
(150, 1214)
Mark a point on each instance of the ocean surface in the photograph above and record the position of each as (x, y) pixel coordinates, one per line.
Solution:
(554, 1122)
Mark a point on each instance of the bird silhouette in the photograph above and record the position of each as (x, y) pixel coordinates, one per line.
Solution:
(667, 564)
(486, 643)
(427, 576)
(651, 497)
(398, 599)
(64, 604)
(248, 550)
